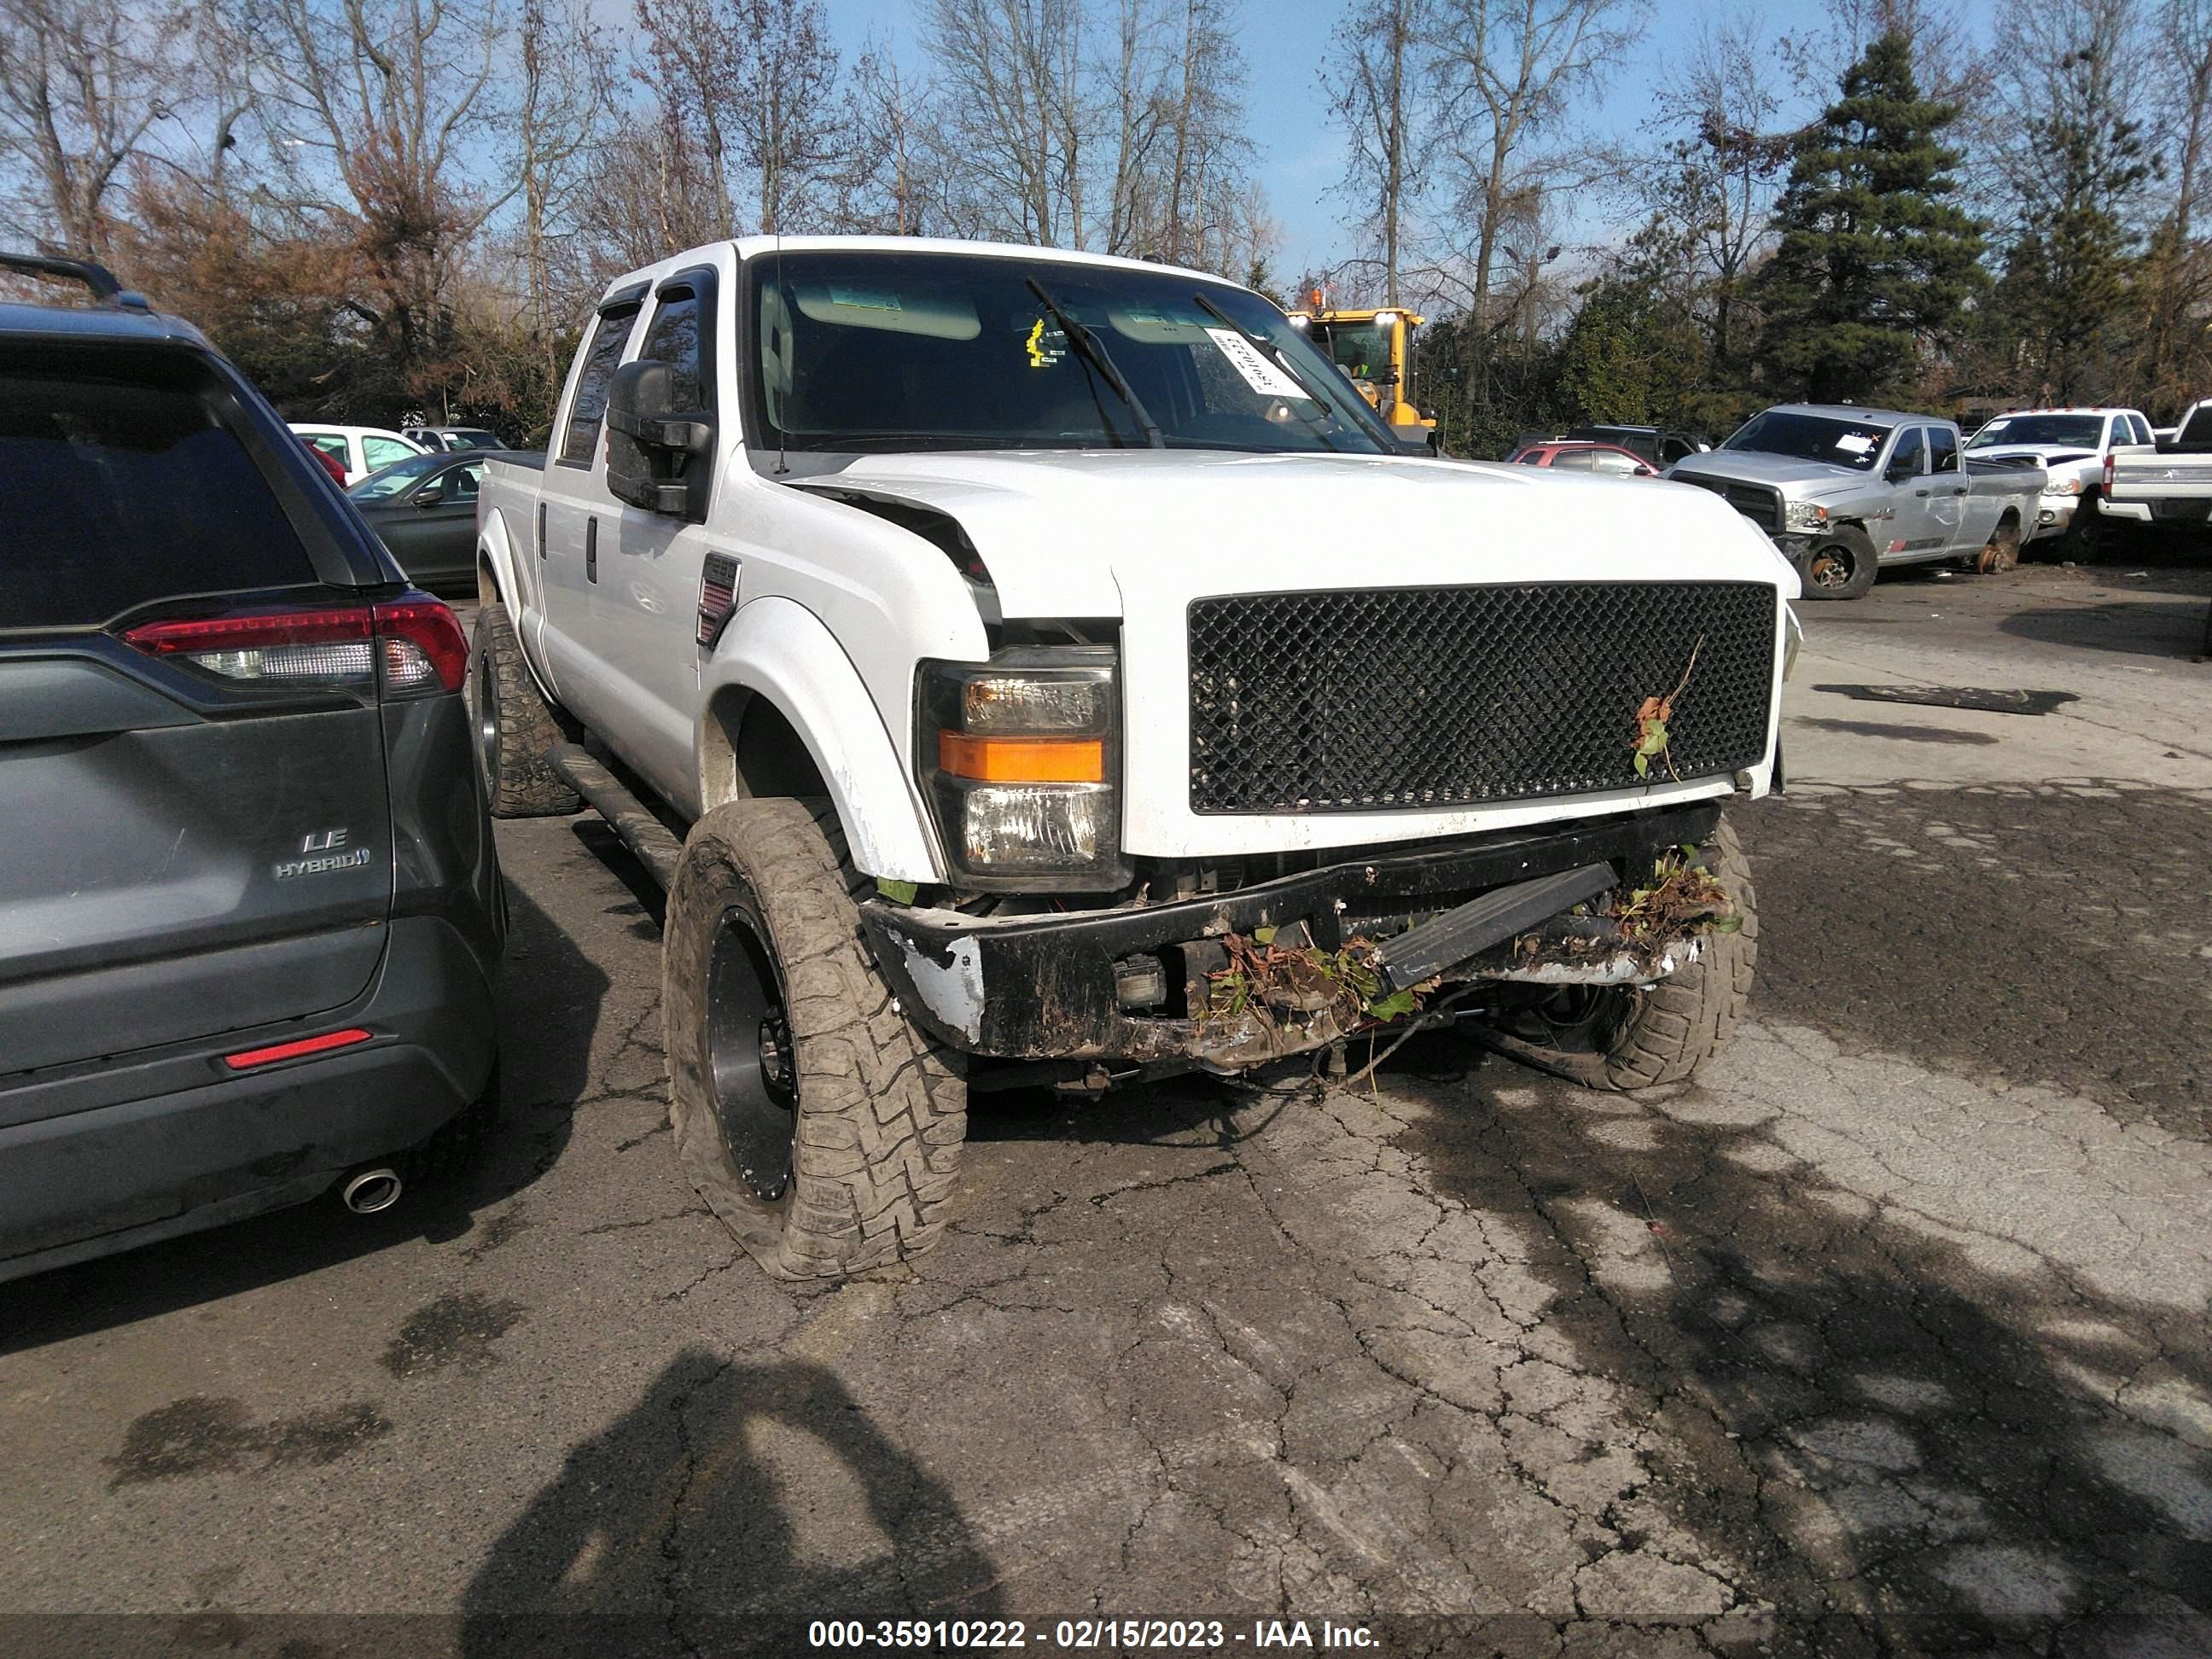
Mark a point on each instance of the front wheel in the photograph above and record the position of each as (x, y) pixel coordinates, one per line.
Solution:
(820, 1124)
(1621, 1037)
(2001, 552)
(1841, 566)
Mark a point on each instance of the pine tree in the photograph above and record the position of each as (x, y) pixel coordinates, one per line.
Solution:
(2069, 273)
(1876, 263)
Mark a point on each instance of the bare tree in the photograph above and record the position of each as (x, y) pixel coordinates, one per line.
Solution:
(1506, 71)
(2176, 281)
(1379, 97)
(562, 100)
(82, 85)
(887, 181)
(1016, 116)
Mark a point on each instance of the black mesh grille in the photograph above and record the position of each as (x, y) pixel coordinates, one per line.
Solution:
(1757, 502)
(1439, 697)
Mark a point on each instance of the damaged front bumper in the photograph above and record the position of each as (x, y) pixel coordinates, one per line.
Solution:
(1130, 985)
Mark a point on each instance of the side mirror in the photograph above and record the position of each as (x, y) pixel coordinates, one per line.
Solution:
(430, 495)
(658, 458)
(1895, 474)
(1643, 472)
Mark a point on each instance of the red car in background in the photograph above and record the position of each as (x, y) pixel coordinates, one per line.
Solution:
(1606, 459)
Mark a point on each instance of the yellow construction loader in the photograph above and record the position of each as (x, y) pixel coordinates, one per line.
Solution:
(1375, 348)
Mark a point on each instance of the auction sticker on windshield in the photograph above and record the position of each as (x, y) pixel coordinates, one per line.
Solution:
(1262, 376)
(1856, 443)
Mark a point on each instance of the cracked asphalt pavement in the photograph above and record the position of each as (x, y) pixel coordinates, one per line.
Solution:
(1889, 1334)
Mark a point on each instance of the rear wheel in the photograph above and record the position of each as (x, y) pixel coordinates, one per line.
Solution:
(1839, 567)
(1620, 1037)
(2001, 552)
(515, 730)
(821, 1124)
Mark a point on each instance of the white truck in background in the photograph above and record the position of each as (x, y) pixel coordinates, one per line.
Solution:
(1013, 632)
(2170, 487)
(2071, 445)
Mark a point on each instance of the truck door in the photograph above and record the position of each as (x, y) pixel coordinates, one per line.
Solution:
(1947, 500)
(572, 504)
(649, 562)
(1914, 529)
(195, 835)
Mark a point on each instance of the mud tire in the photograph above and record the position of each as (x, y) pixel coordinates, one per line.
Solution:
(515, 730)
(881, 1108)
(1849, 544)
(1630, 1039)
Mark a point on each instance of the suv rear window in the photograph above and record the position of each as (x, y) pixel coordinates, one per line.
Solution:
(117, 491)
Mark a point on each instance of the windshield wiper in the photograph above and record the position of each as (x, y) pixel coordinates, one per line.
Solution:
(1080, 337)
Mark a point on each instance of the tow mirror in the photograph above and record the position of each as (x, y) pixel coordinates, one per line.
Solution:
(658, 458)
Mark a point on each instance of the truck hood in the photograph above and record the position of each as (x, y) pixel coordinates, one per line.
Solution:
(1079, 532)
(2041, 454)
(1800, 478)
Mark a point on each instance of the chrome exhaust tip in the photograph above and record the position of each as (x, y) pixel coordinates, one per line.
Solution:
(371, 1191)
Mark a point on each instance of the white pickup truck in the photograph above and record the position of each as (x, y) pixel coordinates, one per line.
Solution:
(2071, 445)
(2170, 486)
(1064, 678)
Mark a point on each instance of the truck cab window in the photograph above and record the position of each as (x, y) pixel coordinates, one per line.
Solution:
(612, 334)
(1942, 449)
(1911, 455)
(674, 340)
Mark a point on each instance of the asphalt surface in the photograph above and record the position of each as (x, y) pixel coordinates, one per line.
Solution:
(1889, 1334)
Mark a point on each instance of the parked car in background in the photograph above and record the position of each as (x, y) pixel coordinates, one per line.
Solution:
(2071, 445)
(1658, 445)
(452, 437)
(360, 450)
(250, 907)
(2170, 486)
(1843, 490)
(1609, 459)
(424, 511)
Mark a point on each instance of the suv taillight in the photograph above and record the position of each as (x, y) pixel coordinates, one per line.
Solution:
(409, 646)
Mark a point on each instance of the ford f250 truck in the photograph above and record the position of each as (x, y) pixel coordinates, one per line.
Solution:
(1843, 490)
(1008, 631)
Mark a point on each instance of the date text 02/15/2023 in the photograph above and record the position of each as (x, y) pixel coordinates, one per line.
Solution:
(1160, 1635)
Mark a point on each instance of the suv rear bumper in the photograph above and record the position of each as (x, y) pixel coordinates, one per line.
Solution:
(94, 1159)
(1044, 986)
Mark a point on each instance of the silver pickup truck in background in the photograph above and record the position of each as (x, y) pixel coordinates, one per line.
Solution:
(2170, 486)
(1843, 490)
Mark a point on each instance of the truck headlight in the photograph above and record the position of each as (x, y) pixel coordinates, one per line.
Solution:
(2062, 487)
(1020, 758)
(1804, 515)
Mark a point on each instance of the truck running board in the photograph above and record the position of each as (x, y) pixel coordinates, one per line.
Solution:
(646, 835)
(1425, 950)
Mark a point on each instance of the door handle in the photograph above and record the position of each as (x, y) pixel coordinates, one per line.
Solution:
(591, 550)
(1920, 492)
(1961, 490)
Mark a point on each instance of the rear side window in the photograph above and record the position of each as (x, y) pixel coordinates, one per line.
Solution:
(1575, 460)
(1942, 449)
(115, 492)
(608, 338)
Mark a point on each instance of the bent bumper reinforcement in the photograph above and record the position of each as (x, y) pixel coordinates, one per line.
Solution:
(1042, 986)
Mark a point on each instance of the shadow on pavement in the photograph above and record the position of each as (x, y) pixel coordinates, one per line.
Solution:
(702, 1523)
(542, 1065)
(2163, 628)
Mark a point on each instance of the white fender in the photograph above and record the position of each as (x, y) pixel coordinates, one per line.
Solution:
(780, 650)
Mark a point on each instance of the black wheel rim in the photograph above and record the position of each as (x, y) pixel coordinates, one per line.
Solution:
(1576, 1018)
(749, 1060)
(484, 711)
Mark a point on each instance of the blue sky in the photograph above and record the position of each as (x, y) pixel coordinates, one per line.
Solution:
(1301, 157)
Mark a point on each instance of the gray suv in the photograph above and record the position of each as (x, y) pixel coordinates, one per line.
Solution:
(250, 908)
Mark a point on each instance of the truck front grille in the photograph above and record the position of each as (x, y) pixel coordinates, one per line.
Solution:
(1758, 503)
(1449, 696)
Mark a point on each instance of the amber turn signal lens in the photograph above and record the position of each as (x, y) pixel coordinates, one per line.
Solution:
(1022, 760)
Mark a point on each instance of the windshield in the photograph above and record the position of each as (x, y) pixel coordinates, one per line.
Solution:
(472, 438)
(1360, 350)
(394, 480)
(898, 351)
(2078, 431)
(1812, 437)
